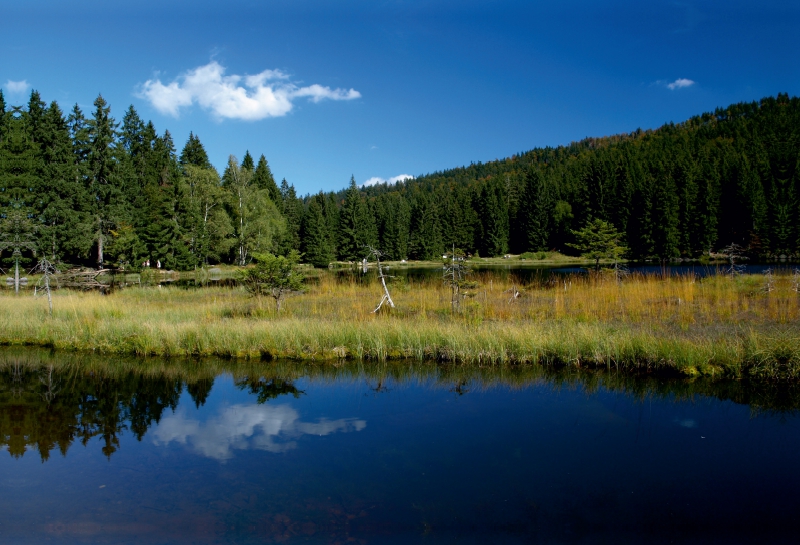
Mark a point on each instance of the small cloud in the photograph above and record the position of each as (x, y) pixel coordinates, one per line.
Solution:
(242, 427)
(17, 87)
(373, 148)
(680, 83)
(250, 98)
(393, 180)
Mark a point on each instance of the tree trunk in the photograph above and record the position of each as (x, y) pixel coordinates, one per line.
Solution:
(100, 249)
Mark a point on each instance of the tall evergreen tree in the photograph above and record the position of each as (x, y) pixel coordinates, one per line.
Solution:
(317, 246)
(64, 232)
(292, 209)
(263, 179)
(493, 211)
(536, 212)
(194, 153)
(356, 225)
(103, 187)
(247, 162)
(425, 240)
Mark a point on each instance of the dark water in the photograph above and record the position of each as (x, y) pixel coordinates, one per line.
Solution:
(523, 272)
(165, 452)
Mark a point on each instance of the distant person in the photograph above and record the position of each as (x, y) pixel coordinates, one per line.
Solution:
(158, 264)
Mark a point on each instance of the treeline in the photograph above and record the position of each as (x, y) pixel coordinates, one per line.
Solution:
(680, 191)
(94, 191)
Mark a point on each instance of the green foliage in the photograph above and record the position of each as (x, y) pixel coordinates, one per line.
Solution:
(533, 255)
(317, 244)
(97, 192)
(194, 153)
(599, 240)
(357, 228)
(274, 276)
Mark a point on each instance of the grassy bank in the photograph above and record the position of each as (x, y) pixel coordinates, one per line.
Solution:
(719, 326)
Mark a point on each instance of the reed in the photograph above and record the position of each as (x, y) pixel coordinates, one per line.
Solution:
(716, 326)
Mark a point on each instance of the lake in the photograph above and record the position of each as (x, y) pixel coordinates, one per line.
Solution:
(523, 272)
(101, 450)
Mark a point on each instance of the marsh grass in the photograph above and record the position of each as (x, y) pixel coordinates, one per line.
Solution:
(718, 326)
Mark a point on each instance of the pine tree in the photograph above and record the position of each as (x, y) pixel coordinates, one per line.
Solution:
(103, 188)
(599, 240)
(263, 179)
(64, 232)
(247, 162)
(292, 210)
(666, 234)
(425, 240)
(357, 227)
(194, 153)
(317, 248)
(493, 212)
(536, 212)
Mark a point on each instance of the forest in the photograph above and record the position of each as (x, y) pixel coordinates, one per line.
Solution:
(86, 189)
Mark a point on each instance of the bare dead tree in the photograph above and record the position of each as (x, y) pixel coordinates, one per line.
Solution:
(515, 293)
(769, 281)
(377, 254)
(48, 271)
(454, 274)
(732, 253)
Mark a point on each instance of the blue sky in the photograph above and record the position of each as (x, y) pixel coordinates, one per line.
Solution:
(377, 89)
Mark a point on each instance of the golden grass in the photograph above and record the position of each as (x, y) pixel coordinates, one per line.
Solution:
(717, 326)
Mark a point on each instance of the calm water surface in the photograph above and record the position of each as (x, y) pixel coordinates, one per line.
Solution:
(94, 457)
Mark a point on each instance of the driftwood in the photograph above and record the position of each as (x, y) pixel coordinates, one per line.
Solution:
(84, 279)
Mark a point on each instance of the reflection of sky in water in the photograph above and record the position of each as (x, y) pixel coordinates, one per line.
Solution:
(243, 427)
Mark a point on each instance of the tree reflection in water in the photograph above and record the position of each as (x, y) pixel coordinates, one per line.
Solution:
(48, 401)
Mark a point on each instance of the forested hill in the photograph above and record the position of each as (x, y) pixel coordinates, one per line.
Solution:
(87, 189)
(719, 178)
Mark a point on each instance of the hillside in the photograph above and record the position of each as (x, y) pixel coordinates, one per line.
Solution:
(90, 190)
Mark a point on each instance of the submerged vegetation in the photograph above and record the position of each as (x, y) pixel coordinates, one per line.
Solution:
(729, 326)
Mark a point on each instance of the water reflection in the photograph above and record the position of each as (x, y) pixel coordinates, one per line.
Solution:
(182, 451)
(242, 427)
(50, 401)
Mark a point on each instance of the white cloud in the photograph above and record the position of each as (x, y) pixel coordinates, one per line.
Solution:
(267, 94)
(680, 83)
(17, 87)
(393, 180)
(242, 427)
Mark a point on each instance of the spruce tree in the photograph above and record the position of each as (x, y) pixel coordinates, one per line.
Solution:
(263, 179)
(493, 211)
(536, 212)
(247, 162)
(292, 209)
(317, 248)
(194, 153)
(356, 225)
(103, 187)
(425, 239)
(64, 233)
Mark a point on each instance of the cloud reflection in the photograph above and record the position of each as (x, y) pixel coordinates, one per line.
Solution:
(242, 427)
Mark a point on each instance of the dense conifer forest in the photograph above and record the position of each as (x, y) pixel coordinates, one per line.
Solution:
(86, 188)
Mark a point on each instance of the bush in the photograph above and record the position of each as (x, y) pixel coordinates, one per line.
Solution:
(534, 255)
